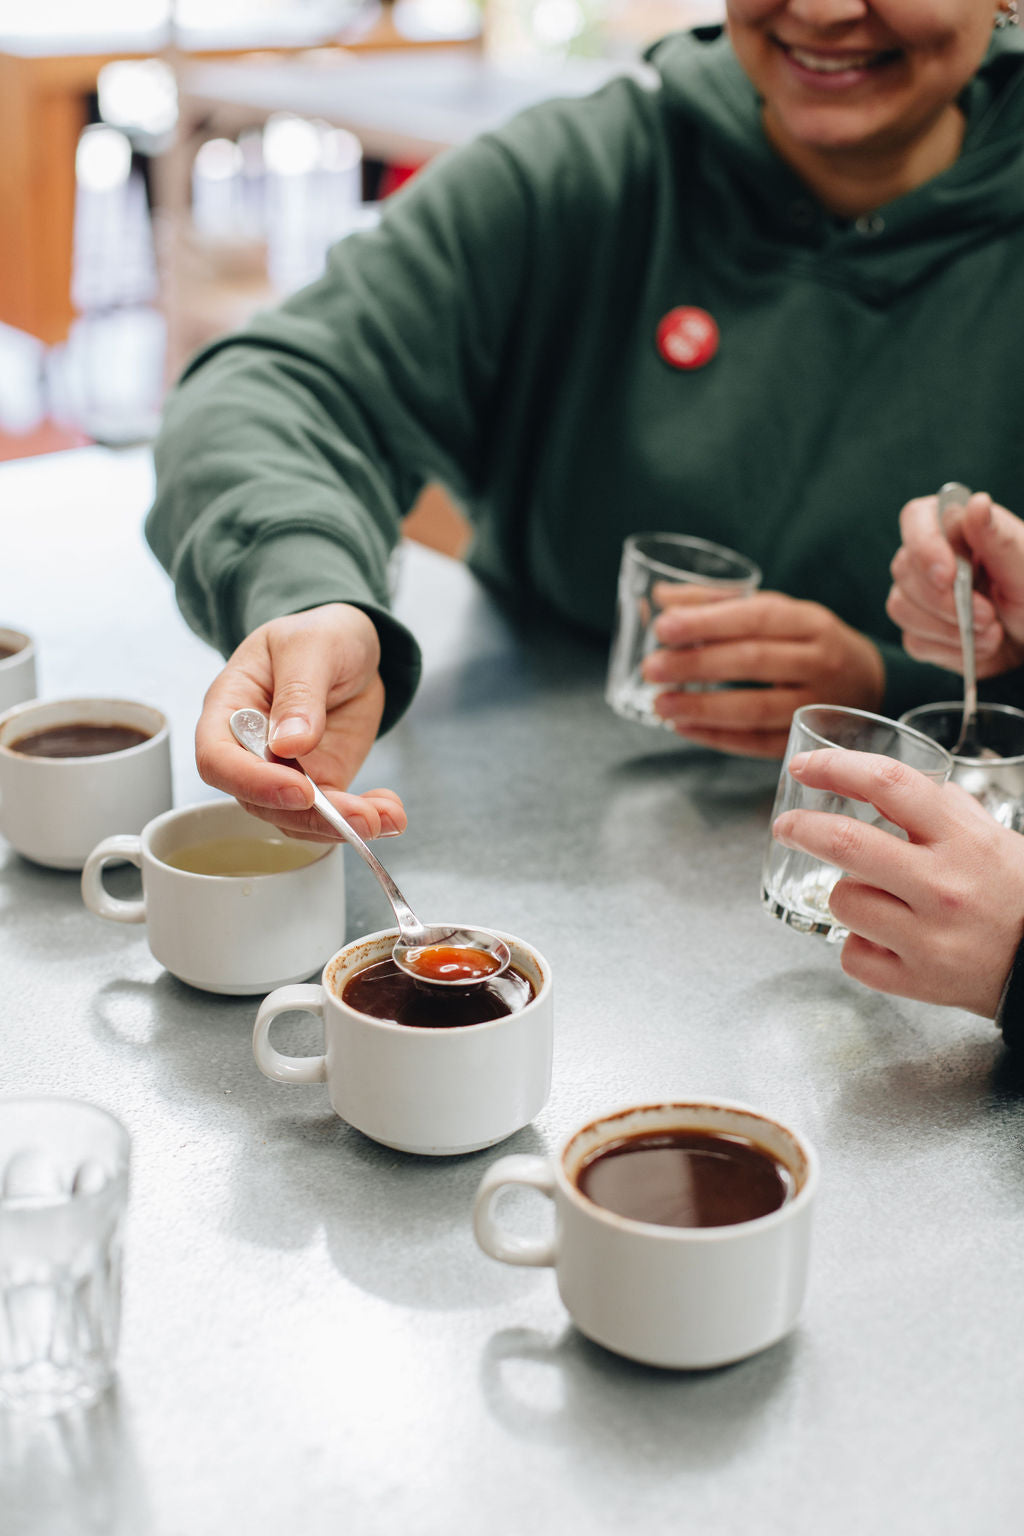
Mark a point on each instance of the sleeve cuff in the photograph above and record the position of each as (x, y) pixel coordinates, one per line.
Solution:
(1010, 1012)
(294, 572)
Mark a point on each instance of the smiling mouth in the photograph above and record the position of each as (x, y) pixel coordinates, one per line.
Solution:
(830, 62)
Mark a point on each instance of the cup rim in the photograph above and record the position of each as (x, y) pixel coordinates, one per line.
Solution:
(454, 1031)
(956, 707)
(663, 1233)
(21, 653)
(865, 714)
(752, 571)
(225, 803)
(28, 706)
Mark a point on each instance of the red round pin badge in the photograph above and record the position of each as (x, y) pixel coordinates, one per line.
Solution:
(687, 337)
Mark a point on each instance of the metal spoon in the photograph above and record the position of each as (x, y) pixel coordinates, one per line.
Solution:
(251, 729)
(954, 495)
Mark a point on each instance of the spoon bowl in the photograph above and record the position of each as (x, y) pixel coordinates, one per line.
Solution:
(433, 954)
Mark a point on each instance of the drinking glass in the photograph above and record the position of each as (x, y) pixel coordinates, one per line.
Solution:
(653, 564)
(996, 782)
(63, 1189)
(795, 886)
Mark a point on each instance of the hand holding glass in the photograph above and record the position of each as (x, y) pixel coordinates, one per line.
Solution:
(795, 886)
(655, 567)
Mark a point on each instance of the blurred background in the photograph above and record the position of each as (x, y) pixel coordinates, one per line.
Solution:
(167, 167)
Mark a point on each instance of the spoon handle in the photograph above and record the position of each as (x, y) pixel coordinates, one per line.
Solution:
(408, 922)
(953, 495)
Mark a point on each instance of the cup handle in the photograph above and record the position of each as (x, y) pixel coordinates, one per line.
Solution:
(95, 895)
(534, 1173)
(288, 1069)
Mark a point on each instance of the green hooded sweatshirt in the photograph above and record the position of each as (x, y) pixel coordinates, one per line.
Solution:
(497, 333)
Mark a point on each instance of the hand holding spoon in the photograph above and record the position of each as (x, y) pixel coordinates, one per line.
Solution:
(436, 953)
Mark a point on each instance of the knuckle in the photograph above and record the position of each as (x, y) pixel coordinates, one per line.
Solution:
(845, 840)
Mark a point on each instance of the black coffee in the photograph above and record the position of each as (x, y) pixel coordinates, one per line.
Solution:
(385, 992)
(9, 650)
(685, 1179)
(80, 739)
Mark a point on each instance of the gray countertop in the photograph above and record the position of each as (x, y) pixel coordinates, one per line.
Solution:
(312, 1341)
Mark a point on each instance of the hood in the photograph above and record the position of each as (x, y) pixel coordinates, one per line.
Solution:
(982, 194)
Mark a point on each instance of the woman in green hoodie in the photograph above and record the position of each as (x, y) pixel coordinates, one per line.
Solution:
(834, 189)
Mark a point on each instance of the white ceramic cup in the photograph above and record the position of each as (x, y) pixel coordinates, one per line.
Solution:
(18, 670)
(240, 935)
(681, 1297)
(433, 1091)
(55, 809)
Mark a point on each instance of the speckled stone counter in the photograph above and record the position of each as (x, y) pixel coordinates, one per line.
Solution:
(313, 1344)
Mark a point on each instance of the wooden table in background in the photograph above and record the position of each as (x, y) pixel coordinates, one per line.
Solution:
(44, 89)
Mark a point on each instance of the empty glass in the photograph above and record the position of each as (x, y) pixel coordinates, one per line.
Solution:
(63, 1188)
(652, 565)
(795, 886)
(996, 782)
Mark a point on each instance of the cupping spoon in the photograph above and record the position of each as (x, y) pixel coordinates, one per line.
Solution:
(954, 495)
(437, 953)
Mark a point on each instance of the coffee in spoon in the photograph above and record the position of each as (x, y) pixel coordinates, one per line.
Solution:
(435, 954)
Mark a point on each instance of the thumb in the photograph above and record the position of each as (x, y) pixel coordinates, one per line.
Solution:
(996, 540)
(303, 673)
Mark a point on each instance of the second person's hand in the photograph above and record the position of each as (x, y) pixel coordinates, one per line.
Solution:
(921, 598)
(796, 653)
(315, 675)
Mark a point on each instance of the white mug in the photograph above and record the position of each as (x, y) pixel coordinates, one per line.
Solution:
(236, 934)
(55, 809)
(18, 670)
(680, 1297)
(433, 1091)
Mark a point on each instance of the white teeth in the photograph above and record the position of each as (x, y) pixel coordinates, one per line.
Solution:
(830, 66)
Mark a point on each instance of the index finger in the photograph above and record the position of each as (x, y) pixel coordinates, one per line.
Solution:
(904, 796)
(926, 543)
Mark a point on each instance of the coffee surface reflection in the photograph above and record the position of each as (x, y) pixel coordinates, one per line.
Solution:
(685, 1178)
(383, 991)
(78, 739)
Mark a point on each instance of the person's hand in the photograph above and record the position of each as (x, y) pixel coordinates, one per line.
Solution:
(923, 568)
(795, 653)
(315, 675)
(939, 917)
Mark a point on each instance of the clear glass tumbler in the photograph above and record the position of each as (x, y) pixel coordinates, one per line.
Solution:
(63, 1190)
(996, 780)
(657, 569)
(795, 886)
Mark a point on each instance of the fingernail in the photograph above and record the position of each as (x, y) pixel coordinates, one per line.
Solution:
(291, 799)
(654, 668)
(799, 761)
(288, 730)
(939, 577)
(360, 825)
(388, 827)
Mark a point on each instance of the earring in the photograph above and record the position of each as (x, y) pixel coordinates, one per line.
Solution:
(1008, 15)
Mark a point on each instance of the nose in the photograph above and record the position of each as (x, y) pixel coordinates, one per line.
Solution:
(825, 14)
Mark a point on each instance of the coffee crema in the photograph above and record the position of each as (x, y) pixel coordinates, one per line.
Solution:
(79, 739)
(382, 991)
(242, 857)
(685, 1178)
